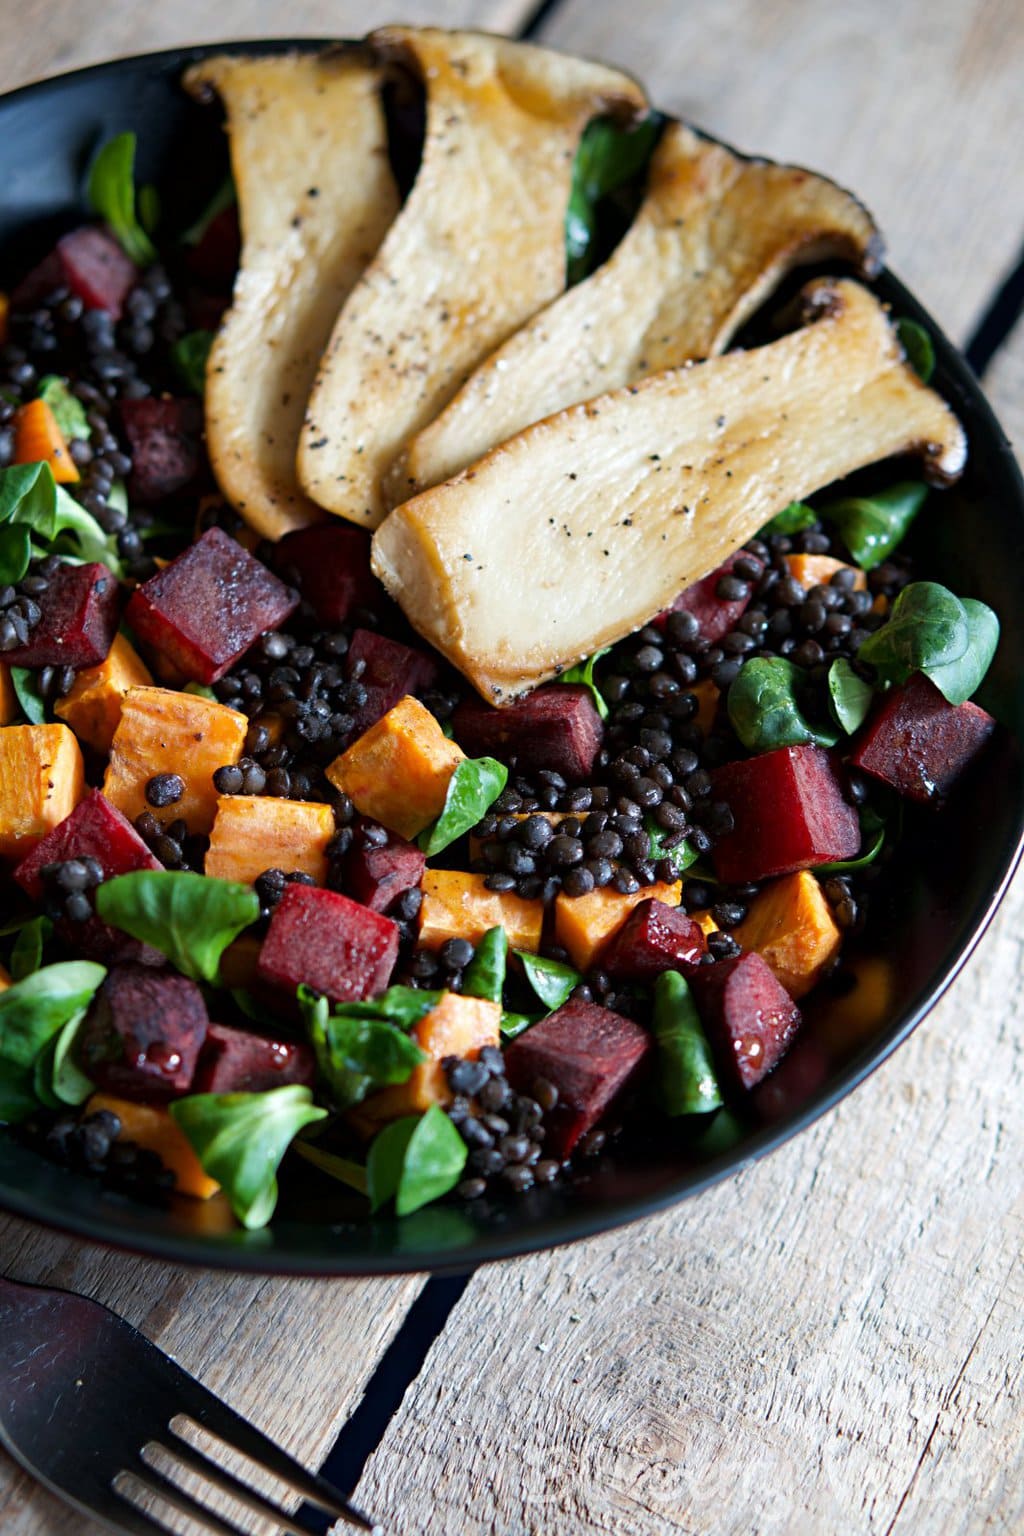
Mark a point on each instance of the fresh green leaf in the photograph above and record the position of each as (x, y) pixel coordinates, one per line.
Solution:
(416, 1160)
(681, 855)
(792, 519)
(201, 691)
(190, 918)
(404, 1006)
(32, 1012)
(68, 410)
(767, 709)
(583, 672)
(27, 953)
(248, 1005)
(91, 542)
(472, 790)
(872, 840)
(355, 1056)
(927, 628)
(723, 1131)
(111, 193)
(608, 157)
(552, 981)
(240, 1139)
(513, 1024)
(685, 1070)
(57, 1078)
(344, 1169)
(225, 196)
(25, 683)
(485, 973)
(149, 207)
(871, 527)
(15, 552)
(918, 346)
(849, 695)
(958, 680)
(189, 356)
(31, 498)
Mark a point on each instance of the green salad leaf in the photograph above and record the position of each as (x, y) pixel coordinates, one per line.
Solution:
(871, 527)
(930, 630)
(849, 695)
(111, 192)
(792, 519)
(609, 156)
(25, 683)
(766, 706)
(355, 1056)
(583, 672)
(344, 1169)
(472, 790)
(15, 552)
(58, 1080)
(513, 1024)
(27, 951)
(32, 1012)
(240, 1139)
(68, 410)
(680, 855)
(958, 680)
(685, 1071)
(190, 918)
(485, 974)
(552, 981)
(189, 356)
(873, 831)
(32, 503)
(404, 1006)
(415, 1160)
(918, 346)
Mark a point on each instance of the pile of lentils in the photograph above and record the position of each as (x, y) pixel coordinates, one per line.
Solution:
(503, 1129)
(93, 1145)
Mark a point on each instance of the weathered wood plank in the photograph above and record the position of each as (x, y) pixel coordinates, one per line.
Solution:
(917, 107)
(56, 35)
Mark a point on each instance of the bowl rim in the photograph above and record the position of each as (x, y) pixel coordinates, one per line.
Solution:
(211, 1251)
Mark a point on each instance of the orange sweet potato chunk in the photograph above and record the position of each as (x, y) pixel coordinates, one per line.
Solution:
(707, 695)
(818, 570)
(92, 707)
(790, 924)
(42, 779)
(459, 906)
(161, 731)
(252, 833)
(584, 924)
(458, 1026)
(152, 1128)
(398, 771)
(8, 698)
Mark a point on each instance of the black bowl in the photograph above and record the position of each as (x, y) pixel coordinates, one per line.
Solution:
(956, 870)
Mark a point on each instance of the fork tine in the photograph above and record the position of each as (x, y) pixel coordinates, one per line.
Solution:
(221, 1478)
(155, 1482)
(212, 1413)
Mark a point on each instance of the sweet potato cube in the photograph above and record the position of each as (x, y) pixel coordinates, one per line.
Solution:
(458, 1026)
(918, 742)
(387, 671)
(92, 706)
(459, 906)
(204, 610)
(398, 771)
(149, 1126)
(715, 615)
(165, 441)
(161, 731)
(749, 1016)
(590, 1055)
(818, 570)
(330, 565)
(377, 874)
(237, 1061)
(142, 1035)
(556, 727)
(42, 779)
(252, 833)
(790, 925)
(78, 619)
(9, 708)
(585, 924)
(788, 812)
(329, 942)
(654, 938)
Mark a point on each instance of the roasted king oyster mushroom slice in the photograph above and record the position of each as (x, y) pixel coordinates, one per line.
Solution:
(315, 196)
(715, 233)
(478, 248)
(587, 524)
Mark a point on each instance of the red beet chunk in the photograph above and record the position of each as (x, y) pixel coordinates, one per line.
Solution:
(377, 875)
(235, 1061)
(918, 742)
(214, 261)
(89, 262)
(330, 565)
(589, 1054)
(165, 442)
(750, 1018)
(78, 620)
(388, 671)
(95, 828)
(788, 812)
(715, 615)
(143, 1034)
(653, 939)
(331, 943)
(204, 610)
(555, 727)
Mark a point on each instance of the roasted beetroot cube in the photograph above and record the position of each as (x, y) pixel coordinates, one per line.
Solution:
(387, 670)
(89, 262)
(214, 260)
(654, 938)
(556, 727)
(788, 813)
(376, 875)
(918, 742)
(165, 442)
(331, 943)
(589, 1054)
(749, 1017)
(78, 620)
(204, 610)
(715, 614)
(235, 1061)
(330, 565)
(143, 1033)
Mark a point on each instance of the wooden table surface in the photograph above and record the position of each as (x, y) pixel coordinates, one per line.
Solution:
(832, 1340)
